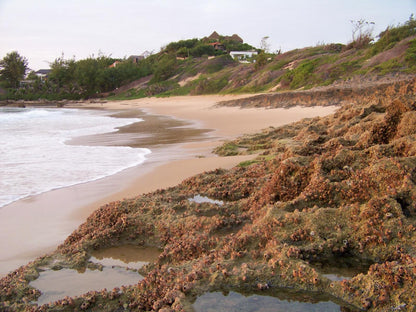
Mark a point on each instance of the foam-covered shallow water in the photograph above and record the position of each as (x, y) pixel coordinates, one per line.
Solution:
(34, 157)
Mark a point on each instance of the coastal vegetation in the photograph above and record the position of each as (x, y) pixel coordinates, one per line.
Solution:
(70, 79)
(204, 66)
(13, 68)
(92, 77)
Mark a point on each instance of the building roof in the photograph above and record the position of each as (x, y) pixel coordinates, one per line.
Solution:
(244, 52)
(114, 64)
(43, 71)
(139, 57)
(214, 36)
(236, 37)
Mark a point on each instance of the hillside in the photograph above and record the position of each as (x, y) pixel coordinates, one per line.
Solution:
(205, 66)
(393, 55)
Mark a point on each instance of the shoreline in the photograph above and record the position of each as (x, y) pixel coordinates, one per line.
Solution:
(45, 226)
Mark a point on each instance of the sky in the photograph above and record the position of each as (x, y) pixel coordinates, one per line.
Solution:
(43, 30)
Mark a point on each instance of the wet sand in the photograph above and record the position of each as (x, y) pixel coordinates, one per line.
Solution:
(180, 131)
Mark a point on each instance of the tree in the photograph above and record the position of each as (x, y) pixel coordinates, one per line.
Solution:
(264, 45)
(86, 75)
(164, 68)
(62, 71)
(261, 60)
(13, 68)
(362, 33)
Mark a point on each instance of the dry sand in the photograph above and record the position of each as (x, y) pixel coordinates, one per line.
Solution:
(37, 224)
(227, 122)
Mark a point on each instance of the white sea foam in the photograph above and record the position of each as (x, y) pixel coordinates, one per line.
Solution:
(34, 157)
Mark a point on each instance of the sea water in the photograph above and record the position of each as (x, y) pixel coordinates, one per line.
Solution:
(34, 156)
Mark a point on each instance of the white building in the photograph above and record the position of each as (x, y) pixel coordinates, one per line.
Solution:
(243, 56)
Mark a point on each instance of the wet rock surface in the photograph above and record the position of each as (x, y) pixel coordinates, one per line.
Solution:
(277, 300)
(322, 189)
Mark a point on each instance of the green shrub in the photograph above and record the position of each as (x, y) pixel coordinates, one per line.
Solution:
(158, 88)
(165, 68)
(247, 163)
(411, 53)
(389, 66)
(392, 35)
(182, 52)
(227, 149)
(202, 49)
(279, 64)
(216, 64)
(210, 85)
(232, 45)
(302, 75)
(182, 45)
(261, 60)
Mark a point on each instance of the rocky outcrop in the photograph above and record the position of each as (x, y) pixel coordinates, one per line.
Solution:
(333, 95)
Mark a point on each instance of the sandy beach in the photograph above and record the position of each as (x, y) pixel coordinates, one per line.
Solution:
(182, 131)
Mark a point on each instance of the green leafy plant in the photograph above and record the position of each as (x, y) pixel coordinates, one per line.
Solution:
(302, 75)
(13, 68)
(210, 85)
(411, 53)
(392, 35)
(165, 68)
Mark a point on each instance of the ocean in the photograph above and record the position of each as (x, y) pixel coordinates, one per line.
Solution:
(35, 156)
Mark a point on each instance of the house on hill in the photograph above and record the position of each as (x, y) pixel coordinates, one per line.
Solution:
(243, 56)
(215, 36)
(217, 45)
(42, 74)
(136, 58)
(235, 38)
(114, 64)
